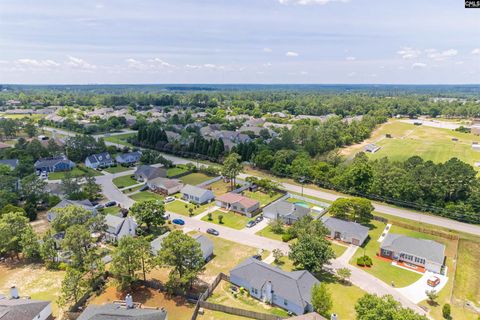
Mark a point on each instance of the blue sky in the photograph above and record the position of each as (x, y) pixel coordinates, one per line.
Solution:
(239, 41)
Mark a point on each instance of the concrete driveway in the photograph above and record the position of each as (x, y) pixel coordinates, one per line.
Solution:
(416, 291)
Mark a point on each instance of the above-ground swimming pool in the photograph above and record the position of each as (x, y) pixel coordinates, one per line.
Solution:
(303, 204)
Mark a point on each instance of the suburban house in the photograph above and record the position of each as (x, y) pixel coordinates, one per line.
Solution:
(128, 158)
(346, 231)
(23, 308)
(165, 186)
(119, 227)
(288, 290)
(54, 164)
(428, 254)
(119, 310)
(85, 204)
(99, 160)
(372, 148)
(146, 172)
(206, 245)
(238, 203)
(12, 163)
(196, 194)
(287, 212)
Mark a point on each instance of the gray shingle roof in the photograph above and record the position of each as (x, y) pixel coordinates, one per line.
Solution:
(284, 208)
(126, 156)
(193, 190)
(294, 286)
(150, 172)
(103, 157)
(348, 227)
(49, 162)
(113, 311)
(12, 163)
(206, 245)
(21, 309)
(156, 244)
(428, 249)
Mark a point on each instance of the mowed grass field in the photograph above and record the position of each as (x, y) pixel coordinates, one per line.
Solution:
(429, 143)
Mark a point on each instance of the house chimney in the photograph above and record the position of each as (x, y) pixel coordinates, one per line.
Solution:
(129, 301)
(334, 316)
(14, 292)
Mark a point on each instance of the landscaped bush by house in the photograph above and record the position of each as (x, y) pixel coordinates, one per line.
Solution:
(364, 261)
(287, 237)
(446, 311)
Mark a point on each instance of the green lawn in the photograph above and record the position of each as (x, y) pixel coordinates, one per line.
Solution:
(467, 276)
(262, 197)
(124, 181)
(79, 170)
(338, 249)
(230, 219)
(178, 206)
(195, 178)
(223, 295)
(175, 171)
(219, 187)
(116, 169)
(268, 233)
(427, 142)
(111, 210)
(146, 195)
(383, 269)
(121, 139)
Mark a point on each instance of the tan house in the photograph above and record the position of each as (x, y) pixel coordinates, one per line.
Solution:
(238, 203)
(165, 186)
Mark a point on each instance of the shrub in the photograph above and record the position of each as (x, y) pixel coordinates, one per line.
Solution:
(361, 261)
(364, 261)
(446, 311)
(287, 237)
(209, 215)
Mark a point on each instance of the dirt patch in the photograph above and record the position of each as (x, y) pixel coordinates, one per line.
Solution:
(41, 224)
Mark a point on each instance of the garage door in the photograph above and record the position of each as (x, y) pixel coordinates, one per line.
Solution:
(355, 242)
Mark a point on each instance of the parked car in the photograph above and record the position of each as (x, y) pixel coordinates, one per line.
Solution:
(258, 219)
(213, 231)
(166, 216)
(99, 206)
(110, 204)
(251, 223)
(257, 256)
(433, 281)
(180, 222)
(169, 199)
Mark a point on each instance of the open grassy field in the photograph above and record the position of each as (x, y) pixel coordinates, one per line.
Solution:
(230, 219)
(32, 280)
(146, 195)
(79, 170)
(35, 117)
(430, 143)
(178, 206)
(124, 181)
(177, 308)
(195, 178)
(121, 139)
(262, 197)
(174, 171)
(219, 187)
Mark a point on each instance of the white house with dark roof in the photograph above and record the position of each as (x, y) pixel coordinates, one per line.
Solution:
(15, 307)
(285, 211)
(119, 227)
(428, 254)
(288, 290)
(346, 231)
(128, 158)
(196, 194)
(99, 160)
(54, 164)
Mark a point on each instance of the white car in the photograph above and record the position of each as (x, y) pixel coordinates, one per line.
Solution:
(169, 199)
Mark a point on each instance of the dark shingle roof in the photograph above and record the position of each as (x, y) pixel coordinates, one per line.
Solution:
(114, 311)
(428, 249)
(103, 157)
(294, 286)
(150, 172)
(193, 190)
(21, 309)
(12, 163)
(284, 208)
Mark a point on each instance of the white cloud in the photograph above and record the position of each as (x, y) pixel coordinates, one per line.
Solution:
(418, 65)
(192, 66)
(441, 55)
(267, 65)
(308, 2)
(351, 74)
(476, 51)
(135, 64)
(459, 62)
(267, 50)
(79, 63)
(291, 54)
(303, 73)
(350, 58)
(157, 62)
(409, 53)
(36, 63)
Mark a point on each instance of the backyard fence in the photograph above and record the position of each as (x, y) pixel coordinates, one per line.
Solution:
(206, 183)
(318, 203)
(238, 312)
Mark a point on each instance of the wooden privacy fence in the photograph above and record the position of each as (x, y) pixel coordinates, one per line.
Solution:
(237, 311)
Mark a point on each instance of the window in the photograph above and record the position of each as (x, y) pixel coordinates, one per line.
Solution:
(285, 302)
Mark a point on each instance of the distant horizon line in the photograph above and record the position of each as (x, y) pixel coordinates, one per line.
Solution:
(240, 83)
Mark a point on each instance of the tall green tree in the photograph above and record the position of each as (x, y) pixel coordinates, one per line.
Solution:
(321, 299)
(372, 307)
(73, 287)
(126, 261)
(353, 209)
(150, 213)
(231, 168)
